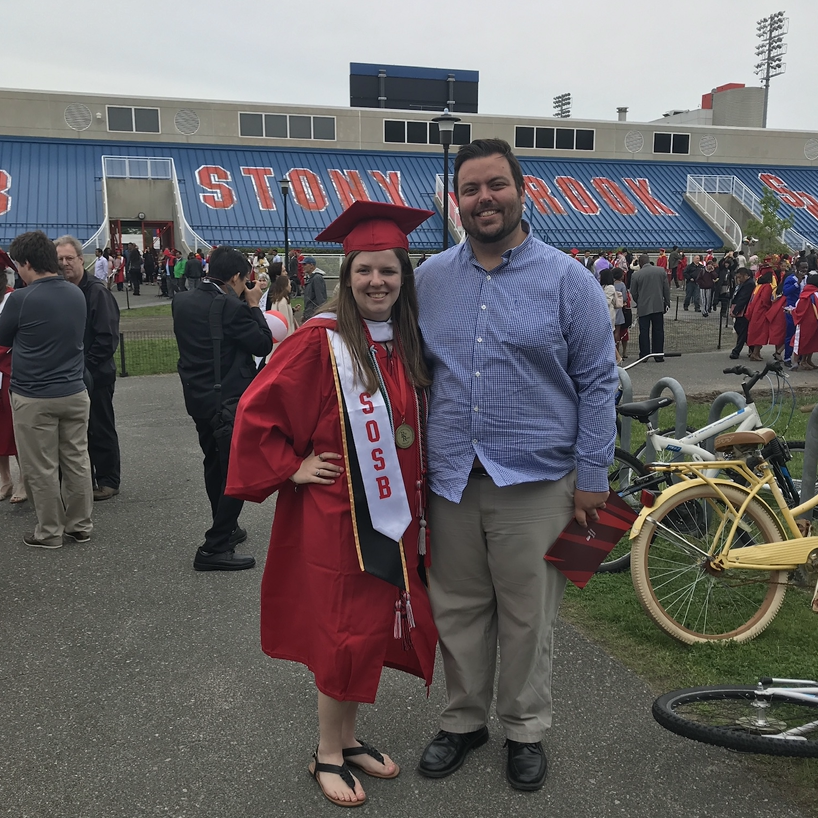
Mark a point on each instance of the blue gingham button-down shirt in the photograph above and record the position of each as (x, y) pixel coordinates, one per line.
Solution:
(523, 368)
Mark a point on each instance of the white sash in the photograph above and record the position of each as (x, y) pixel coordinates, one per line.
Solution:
(375, 447)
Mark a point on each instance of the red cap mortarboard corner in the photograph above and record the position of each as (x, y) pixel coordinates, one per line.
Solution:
(374, 226)
(5, 262)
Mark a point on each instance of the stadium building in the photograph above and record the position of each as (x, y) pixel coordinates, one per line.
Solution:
(193, 173)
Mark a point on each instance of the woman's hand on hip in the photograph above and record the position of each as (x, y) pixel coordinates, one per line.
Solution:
(318, 468)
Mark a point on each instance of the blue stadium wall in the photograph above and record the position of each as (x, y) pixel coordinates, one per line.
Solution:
(231, 195)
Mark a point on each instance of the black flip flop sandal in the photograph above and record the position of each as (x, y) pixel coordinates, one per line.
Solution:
(342, 771)
(367, 749)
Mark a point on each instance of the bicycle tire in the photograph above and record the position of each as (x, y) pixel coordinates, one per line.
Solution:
(724, 715)
(621, 474)
(673, 583)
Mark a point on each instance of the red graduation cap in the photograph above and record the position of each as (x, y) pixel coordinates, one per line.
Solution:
(374, 226)
(5, 262)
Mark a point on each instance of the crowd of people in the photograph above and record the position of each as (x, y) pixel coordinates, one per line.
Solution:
(772, 300)
(409, 437)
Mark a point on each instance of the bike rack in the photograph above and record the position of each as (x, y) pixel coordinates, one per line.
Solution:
(627, 397)
(810, 459)
(725, 399)
(680, 399)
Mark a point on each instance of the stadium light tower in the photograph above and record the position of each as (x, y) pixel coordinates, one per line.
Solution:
(562, 106)
(771, 51)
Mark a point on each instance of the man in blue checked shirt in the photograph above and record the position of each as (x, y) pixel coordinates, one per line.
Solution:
(521, 434)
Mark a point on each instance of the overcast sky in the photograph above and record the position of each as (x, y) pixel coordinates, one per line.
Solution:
(649, 55)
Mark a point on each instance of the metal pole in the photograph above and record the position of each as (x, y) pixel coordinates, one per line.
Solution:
(767, 76)
(718, 346)
(123, 372)
(445, 196)
(286, 237)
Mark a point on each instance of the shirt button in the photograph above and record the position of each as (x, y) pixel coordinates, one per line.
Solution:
(474, 441)
(479, 340)
(476, 409)
(476, 374)
(488, 278)
(483, 306)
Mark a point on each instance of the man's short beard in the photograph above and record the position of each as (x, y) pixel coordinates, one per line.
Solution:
(497, 237)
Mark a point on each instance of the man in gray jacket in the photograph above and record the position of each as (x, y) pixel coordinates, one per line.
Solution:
(315, 291)
(650, 292)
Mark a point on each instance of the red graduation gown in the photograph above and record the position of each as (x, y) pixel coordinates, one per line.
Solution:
(767, 321)
(805, 319)
(317, 606)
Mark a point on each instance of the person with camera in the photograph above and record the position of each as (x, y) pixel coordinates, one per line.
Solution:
(219, 328)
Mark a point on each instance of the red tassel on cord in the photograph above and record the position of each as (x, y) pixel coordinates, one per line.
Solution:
(398, 630)
(422, 538)
(410, 617)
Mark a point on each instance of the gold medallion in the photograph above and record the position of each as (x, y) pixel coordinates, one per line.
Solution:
(404, 436)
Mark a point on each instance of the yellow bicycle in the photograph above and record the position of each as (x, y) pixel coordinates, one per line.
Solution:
(711, 557)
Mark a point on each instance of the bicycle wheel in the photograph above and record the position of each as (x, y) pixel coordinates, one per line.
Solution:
(733, 716)
(671, 570)
(621, 474)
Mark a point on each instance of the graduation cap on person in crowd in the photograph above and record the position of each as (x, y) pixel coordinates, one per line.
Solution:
(374, 226)
(6, 263)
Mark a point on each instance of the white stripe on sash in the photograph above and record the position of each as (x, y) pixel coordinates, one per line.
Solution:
(375, 447)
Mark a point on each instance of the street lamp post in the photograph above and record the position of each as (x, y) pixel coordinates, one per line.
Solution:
(284, 184)
(445, 124)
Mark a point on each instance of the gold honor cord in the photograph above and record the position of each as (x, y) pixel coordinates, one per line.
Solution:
(339, 395)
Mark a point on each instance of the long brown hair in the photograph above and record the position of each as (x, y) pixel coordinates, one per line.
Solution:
(4, 282)
(278, 290)
(404, 325)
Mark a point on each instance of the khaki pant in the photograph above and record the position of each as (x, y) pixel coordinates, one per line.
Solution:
(490, 585)
(52, 440)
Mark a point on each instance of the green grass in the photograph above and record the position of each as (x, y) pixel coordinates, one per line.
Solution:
(148, 356)
(146, 312)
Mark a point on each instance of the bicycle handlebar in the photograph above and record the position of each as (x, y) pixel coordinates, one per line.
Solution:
(754, 377)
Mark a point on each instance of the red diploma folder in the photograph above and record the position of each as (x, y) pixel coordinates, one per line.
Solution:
(578, 551)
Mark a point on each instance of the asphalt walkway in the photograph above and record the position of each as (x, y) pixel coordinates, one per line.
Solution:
(133, 686)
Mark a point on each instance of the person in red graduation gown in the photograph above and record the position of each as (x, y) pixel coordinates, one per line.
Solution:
(337, 595)
(765, 312)
(805, 317)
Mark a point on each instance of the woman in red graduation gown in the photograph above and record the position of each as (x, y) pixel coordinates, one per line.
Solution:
(334, 423)
(765, 313)
(805, 317)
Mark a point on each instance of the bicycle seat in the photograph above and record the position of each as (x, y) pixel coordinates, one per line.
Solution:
(758, 437)
(643, 409)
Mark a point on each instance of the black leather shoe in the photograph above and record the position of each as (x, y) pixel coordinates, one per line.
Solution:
(222, 561)
(238, 536)
(446, 752)
(527, 765)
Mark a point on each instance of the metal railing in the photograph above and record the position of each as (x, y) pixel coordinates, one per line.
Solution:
(733, 186)
(190, 238)
(454, 223)
(717, 215)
